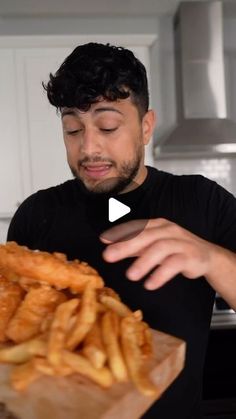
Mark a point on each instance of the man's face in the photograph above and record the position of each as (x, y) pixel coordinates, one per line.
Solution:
(105, 145)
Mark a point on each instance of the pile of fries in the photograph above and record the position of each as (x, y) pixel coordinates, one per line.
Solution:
(58, 319)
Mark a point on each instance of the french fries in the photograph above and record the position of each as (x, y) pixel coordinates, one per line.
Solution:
(84, 329)
(42, 365)
(59, 329)
(93, 348)
(133, 356)
(85, 319)
(110, 334)
(79, 364)
(24, 351)
(115, 305)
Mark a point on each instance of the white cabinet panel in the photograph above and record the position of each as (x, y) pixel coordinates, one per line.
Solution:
(41, 131)
(10, 170)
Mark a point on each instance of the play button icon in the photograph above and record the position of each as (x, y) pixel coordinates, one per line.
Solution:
(115, 216)
(116, 209)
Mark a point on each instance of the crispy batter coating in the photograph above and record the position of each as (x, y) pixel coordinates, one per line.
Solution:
(11, 296)
(53, 269)
(38, 303)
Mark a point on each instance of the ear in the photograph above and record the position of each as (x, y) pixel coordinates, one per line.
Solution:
(148, 125)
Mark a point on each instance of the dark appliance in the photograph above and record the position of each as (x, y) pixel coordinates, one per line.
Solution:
(219, 382)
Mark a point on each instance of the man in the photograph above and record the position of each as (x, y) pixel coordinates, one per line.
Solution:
(178, 242)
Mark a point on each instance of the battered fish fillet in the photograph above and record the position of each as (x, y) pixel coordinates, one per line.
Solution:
(11, 296)
(37, 305)
(53, 269)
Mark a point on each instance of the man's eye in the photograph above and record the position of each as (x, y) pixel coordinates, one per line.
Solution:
(73, 132)
(108, 129)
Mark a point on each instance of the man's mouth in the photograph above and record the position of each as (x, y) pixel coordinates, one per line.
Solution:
(96, 170)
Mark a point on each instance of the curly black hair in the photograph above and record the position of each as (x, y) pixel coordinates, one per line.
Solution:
(93, 72)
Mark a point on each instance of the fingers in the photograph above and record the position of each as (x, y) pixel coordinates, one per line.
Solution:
(129, 248)
(163, 248)
(171, 267)
(153, 256)
(137, 245)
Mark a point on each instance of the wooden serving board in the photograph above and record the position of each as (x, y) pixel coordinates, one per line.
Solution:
(76, 398)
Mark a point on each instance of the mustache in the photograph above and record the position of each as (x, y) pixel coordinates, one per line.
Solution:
(95, 159)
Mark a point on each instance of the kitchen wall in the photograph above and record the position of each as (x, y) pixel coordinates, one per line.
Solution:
(162, 78)
(75, 25)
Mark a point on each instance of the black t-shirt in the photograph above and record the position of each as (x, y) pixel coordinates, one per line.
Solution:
(67, 219)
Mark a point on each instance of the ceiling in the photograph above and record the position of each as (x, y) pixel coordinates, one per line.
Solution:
(92, 8)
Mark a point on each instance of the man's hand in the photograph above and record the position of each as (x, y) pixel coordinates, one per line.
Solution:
(163, 249)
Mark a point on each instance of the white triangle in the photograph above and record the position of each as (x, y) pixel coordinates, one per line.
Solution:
(116, 209)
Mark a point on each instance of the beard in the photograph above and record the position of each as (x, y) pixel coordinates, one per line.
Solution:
(126, 172)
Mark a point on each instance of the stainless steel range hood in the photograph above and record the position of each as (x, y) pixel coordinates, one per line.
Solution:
(203, 128)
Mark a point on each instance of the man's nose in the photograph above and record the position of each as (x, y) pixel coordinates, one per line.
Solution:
(90, 142)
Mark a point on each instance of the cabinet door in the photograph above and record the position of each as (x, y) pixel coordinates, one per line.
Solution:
(41, 131)
(11, 188)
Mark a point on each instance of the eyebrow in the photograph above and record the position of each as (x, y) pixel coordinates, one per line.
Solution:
(96, 111)
(107, 109)
(65, 112)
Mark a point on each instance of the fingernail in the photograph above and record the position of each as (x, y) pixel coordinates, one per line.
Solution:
(110, 254)
(104, 239)
(133, 274)
(149, 285)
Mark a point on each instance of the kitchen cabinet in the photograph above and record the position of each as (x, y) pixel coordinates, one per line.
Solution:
(41, 127)
(32, 150)
(11, 192)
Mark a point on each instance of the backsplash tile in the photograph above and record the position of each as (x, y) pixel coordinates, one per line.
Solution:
(222, 170)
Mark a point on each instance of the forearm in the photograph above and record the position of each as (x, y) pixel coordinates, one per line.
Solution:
(222, 275)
